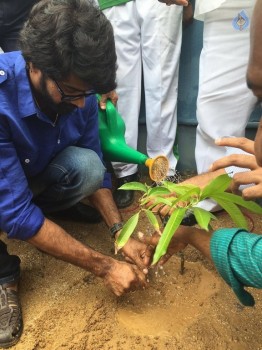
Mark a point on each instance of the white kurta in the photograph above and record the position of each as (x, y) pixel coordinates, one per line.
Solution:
(148, 39)
(224, 101)
(205, 6)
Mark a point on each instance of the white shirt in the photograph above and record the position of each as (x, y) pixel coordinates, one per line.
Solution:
(204, 6)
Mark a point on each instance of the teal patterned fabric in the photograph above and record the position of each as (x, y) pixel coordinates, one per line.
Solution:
(237, 255)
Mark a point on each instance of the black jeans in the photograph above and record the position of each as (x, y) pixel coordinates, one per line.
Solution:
(13, 14)
(9, 265)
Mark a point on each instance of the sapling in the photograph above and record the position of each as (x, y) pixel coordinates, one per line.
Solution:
(181, 198)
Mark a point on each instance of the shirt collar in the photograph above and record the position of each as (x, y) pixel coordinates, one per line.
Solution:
(25, 98)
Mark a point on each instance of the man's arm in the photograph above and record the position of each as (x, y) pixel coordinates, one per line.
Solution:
(118, 276)
(134, 250)
(235, 253)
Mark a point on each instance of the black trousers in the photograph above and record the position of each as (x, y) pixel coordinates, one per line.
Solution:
(9, 265)
(13, 14)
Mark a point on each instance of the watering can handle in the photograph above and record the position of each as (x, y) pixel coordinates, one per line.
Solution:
(110, 114)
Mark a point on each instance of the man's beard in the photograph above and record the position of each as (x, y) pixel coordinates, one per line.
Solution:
(58, 108)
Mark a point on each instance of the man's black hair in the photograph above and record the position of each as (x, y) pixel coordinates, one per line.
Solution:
(71, 36)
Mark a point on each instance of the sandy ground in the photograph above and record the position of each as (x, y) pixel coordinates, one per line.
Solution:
(67, 308)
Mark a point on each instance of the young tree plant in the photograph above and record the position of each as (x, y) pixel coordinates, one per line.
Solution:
(182, 198)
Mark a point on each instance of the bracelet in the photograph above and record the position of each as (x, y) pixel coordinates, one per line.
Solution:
(115, 228)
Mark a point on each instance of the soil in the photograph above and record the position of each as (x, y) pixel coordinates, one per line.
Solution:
(66, 308)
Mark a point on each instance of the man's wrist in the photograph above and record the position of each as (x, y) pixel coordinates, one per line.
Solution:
(113, 230)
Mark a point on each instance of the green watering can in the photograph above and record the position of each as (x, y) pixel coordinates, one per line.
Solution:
(112, 137)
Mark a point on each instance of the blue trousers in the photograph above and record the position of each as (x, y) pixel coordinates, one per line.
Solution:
(72, 175)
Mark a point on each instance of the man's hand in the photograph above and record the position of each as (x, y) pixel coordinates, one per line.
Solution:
(175, 2)
(178, 242)
(188, 15)
(254, 176)
(237, 142)
(138, 253)
(112, 95)
(123, 278)
(183, 236)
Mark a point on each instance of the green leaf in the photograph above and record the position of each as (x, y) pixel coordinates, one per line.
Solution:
(158, 191)
(190, 194)
(127, 231)
(218, 185)
(250, 205)
(134, 186)
(233, 211)
(169, 230)
(179, 188)
(203, 217)
(152, 219)
(157, 200)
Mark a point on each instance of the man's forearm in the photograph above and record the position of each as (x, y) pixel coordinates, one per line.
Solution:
(203, 179)
(199, 239)
(104, 202)
(52, 239)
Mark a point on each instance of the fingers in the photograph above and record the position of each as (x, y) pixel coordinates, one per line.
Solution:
(112, 95)
(149, 240)
(164, 210)
(247, 178)
(175, 2)
(164, 259)
(239, 160)
(252, 192)
(102, 102)
(237, 142)
(140, 281)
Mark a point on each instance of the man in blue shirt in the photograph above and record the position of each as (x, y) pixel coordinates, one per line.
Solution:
(50, 150)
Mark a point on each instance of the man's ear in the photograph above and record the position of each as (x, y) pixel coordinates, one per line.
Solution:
(32, 68)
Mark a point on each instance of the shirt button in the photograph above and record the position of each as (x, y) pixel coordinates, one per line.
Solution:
(2, 72)
(27, 161)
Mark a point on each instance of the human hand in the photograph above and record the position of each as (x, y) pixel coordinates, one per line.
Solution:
(254, 176)
(112, 95)
(178, 242)
(138, 253)
(175, 2)
(123, 277)
(188, 15)
(161, 209)
(237, 142)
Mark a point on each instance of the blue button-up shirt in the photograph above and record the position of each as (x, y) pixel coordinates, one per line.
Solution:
(29, 141)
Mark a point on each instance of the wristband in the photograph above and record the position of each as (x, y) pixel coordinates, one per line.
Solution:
(115, 228)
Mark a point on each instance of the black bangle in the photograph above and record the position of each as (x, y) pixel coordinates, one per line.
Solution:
(115, 228)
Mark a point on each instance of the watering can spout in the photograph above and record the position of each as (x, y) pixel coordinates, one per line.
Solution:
(114, 147)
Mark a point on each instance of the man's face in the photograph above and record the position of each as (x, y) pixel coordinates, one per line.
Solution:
(51, 101)
(64, 96)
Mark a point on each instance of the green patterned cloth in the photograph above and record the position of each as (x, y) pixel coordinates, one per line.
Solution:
(104, 4)
(237, 255)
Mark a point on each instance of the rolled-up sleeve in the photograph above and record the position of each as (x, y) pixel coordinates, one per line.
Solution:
(20, 218)
(237, 257)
